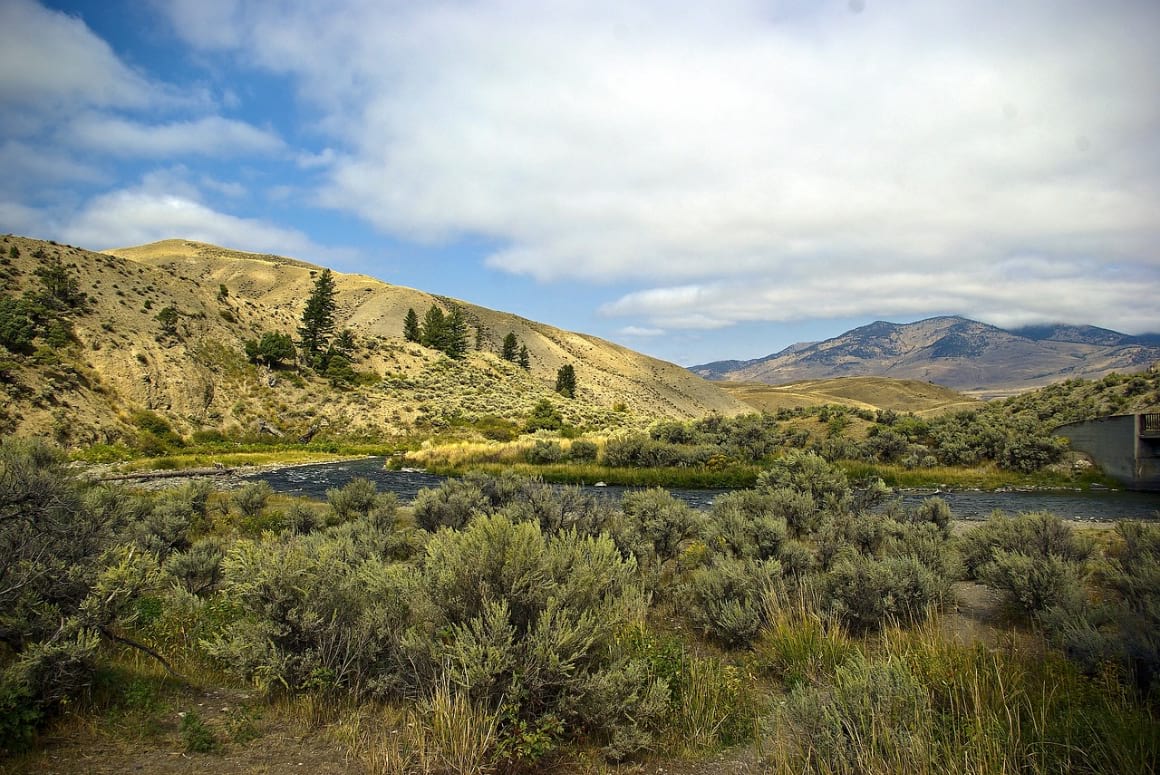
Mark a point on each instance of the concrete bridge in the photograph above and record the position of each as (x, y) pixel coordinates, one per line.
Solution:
(1125, 446)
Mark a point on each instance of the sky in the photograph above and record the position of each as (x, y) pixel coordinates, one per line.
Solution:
(697, 181)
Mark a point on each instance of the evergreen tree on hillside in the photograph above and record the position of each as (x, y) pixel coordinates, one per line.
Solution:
(525, 360)
(411, 330)
(59, 286)
(433, 333)
(510, 343)
(344, 343)
(318, 317)
(456, 333)
(566, 381)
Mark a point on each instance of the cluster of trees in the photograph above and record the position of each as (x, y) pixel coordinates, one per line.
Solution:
(42, 312)
(515, 352)
(329, 353)
(439, 330)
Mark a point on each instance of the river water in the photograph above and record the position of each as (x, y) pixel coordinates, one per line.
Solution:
(314, 480)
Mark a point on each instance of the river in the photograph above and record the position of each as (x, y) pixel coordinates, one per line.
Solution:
(315, 480)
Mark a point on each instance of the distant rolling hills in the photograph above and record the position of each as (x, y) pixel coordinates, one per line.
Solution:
(975, 358)
(922, 398)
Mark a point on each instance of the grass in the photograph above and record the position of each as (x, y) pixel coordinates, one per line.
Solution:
(447, 733)
(733, 477)
(233, 457)
(989, 477)
(918, 701)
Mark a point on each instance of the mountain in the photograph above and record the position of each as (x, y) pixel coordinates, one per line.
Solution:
(966, 355)
(119, 358)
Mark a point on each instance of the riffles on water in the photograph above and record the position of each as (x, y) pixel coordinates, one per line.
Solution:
(315, 480)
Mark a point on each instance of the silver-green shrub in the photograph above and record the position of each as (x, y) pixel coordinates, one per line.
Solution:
(358, 497)
(452, 505)
(654, 526)
(726, 600)
(867, 593)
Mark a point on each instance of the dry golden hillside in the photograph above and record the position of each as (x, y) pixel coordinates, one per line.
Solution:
(122, 360)
(901, 395)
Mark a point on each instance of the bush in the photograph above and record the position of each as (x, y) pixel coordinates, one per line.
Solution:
(747, 526)
(321, 612)
(301, 519)
(360, 497)
(17, 325)
(526, 625)
(809, 474)
(271, 349)
(199, 569)
(452, 505)
(153, 423)
(655, 526)
(252, 498)
(545, 452)
(63, 582)
(534, 621)
(583, 451)
(866, 594)
(727, 599)
(1035, 534)
(560, 509)
(1033, 583)
(873, 711)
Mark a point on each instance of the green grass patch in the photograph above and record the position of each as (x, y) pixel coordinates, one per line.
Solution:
(988, 477)
(733, 477)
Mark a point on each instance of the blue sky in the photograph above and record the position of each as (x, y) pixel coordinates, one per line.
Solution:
(697, 181)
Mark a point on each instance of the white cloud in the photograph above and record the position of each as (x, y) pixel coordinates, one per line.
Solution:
(48, 58)
(21, 162)
(17, 218)
(755, 161)
(640, 331)
(207, 136)
(161, 208)
(1017, 292)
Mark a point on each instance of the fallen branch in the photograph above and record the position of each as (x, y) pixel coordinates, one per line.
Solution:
(140, 647)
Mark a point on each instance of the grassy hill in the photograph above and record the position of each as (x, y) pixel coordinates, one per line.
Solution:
(901, 395)
(113, 356)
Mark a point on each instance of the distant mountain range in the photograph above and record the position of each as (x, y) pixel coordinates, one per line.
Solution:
(957, 352)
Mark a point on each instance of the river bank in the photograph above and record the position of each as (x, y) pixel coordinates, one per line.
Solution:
(313, 477)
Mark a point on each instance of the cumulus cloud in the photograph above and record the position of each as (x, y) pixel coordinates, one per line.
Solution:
(745, 161)
(48, 58)
(163, 207)
(206, 136)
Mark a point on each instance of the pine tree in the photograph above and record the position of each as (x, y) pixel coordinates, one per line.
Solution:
(318, 317)
(60, 289)
(456, 345)
(433, 333)
(510, 343)
(411, 326)
(525, 361)
(344, 343)
(566, 381)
